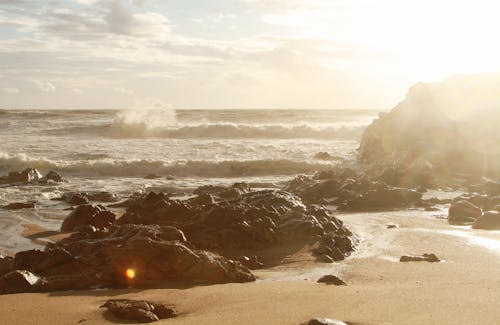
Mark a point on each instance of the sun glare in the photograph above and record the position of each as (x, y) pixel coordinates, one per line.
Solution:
(130, 274)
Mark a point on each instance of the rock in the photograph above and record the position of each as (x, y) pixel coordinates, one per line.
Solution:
(19, 281)
(432, 258)
(27, 176)
(20, 206)
(392, 226)
(139, 310)
(152, 176)
(52, 176)
(325, 321)
(6, 264)
(324, 258)
(77, 199)
(252, 263)
(323, 156)
(331, 279)
(449, 126)
(83, 215)
(489, 220)
(463, 212)
(382, 197)
(49, 262)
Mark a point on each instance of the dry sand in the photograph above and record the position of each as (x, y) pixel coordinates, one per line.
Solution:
(465, 289)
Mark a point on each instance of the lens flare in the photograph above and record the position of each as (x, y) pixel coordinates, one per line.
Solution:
(130, 274)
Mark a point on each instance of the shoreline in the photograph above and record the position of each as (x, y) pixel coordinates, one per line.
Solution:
(379, 290)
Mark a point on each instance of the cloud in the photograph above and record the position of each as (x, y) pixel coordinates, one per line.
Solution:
(10, 90)
(123, 91)
(45, 86)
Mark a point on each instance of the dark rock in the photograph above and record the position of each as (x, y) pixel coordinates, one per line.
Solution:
(490, 220)
(96, 216)
(323, 156)
(19, 281)
(6, 264)
(52, 176)
(27, 176)
(77, 199)
(139, 310)
(20, 205)
(463, 212)
(432, 258)
(152, 176)
(392, 226)
(331, 279)
(51, 261)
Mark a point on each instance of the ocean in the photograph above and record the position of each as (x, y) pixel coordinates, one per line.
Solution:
(111, 150)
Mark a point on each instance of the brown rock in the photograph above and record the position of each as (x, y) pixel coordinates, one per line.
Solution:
(139, 310)
(331, 279)
(432, 258)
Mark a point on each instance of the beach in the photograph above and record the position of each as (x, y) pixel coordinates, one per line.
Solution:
(463, 289)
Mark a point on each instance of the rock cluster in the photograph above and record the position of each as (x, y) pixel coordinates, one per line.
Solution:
(351, 191)
(30, 176)
(159, 241)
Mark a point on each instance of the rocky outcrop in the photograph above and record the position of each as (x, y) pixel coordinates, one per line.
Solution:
(444, 128)
(247, 222)
(88, 215)
(123, 256)
(79, 198)
(30, 176)
(140, 311)
(361, 193)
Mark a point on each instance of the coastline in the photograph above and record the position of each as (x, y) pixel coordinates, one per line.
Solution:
(380, 290)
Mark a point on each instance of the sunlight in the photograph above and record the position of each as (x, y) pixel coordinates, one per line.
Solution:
(130, 274)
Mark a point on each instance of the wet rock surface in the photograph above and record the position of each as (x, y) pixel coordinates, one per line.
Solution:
(351, 191)
(489, 220)
(246, 222)
(431, 258)
(30, 176)
(139, 310)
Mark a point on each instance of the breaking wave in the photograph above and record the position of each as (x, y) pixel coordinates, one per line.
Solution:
(140, 168)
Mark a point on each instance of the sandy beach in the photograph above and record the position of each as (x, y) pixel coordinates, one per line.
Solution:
(463, 289)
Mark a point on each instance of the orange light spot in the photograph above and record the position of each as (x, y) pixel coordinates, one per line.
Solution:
(130, 274)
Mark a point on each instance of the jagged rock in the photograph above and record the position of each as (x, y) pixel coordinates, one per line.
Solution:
(324, 258)
(432, 258)
(51, 261)
(52, 176)
(490, 220)
(19, 281)
(84, 215)
(331, 279)
(139, 310)
(382, 198)
(29, 175)
(20, 206)
(463, 212)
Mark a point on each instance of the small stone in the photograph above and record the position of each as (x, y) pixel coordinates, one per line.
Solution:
(431, 258)
(325, 321)
(139, 310)
(331, 279)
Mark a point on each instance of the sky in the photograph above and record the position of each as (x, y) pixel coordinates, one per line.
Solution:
(328, 54)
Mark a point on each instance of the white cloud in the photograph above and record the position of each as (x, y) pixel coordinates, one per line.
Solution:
(123, 91)
(10, 90)
(45, 86)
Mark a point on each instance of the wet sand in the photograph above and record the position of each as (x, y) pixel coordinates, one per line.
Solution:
(462, 290)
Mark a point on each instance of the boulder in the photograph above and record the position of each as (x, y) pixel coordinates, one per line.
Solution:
(140, 311)
(463, 213)
(52, 176)
(96, 216)
(19, 281)
(489, 220)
